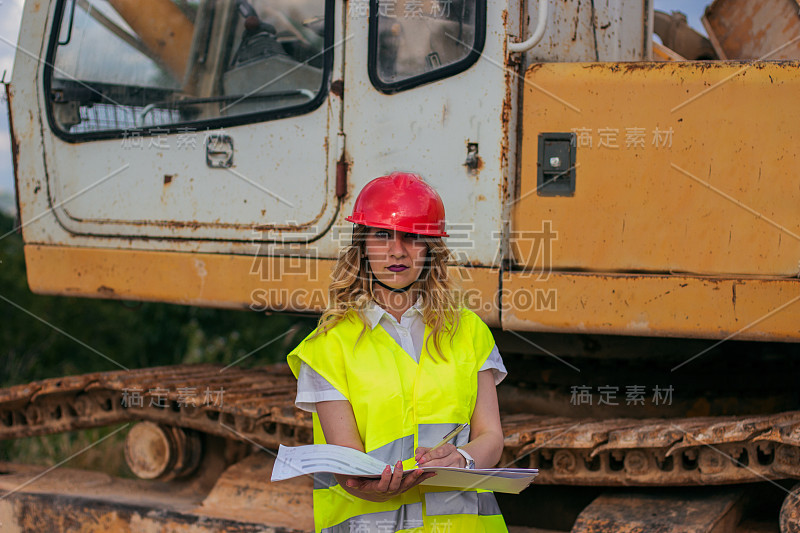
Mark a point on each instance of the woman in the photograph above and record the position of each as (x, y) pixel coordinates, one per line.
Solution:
(394, 365)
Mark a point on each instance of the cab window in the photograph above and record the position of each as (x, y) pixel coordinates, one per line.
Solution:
(116, 66)
(415, 42)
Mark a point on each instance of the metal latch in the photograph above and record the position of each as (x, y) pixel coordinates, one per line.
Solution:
(219, 151)
(556, 172)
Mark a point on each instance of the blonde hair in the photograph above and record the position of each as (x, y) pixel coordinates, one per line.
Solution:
(352, 289)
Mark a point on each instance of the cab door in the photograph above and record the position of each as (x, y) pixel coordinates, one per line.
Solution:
(431, 93)
(185, 124)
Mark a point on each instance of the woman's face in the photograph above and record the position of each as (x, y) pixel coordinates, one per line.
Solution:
(396, 258)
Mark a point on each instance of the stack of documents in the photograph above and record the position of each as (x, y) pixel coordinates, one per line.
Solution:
(332, 459)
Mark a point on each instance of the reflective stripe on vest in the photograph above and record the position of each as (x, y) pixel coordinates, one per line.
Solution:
(324, 481)
(402, 449)
(431, 434)
(408, 516)
(399, 405)
(461, 502)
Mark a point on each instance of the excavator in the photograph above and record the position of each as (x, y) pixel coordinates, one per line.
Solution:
(622, 199)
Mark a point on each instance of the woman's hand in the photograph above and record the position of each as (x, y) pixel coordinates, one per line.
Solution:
(445, 455)
(387, 487)
(339, 427)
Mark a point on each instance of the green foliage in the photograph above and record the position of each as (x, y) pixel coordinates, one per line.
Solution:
(50, 336)
(99, 449)
(101, 335)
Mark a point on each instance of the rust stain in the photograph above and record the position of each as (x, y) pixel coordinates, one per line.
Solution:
(14, 144)
(479, 164)
(342, 171)
(509, 74)
(194, 224)
(337, 88)
(749, 30)
(656, 297)
(168, 178)
(534, 67)
(14, 147)
(137, 511)
(106, 291)
(676, 68)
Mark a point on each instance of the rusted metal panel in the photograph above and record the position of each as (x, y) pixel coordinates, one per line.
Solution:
(246, 486)
(520, 429)
(677, 170)
(663, 512)
(258, 283)
(12, 142)
(74, 500)
(790, 512)
(650, 305)
(28, 164)
(767, 29)
(582, 30)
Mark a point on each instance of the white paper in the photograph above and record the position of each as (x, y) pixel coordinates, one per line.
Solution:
(293, 461)
(329, 458)
(464, 478)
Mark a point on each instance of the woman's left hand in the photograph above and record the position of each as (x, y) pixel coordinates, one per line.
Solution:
(391, 483)
(445, 455)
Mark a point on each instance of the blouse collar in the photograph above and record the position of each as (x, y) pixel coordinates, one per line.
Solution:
(374, 312)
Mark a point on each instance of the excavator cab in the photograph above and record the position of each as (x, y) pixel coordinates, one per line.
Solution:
(221, 127)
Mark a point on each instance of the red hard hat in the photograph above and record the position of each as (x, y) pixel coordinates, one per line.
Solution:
(400, 201)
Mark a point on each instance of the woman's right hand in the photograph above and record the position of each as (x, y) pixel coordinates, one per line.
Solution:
(387, 487)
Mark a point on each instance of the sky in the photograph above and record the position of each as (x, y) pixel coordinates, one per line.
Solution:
(11, 12)
(693, 9)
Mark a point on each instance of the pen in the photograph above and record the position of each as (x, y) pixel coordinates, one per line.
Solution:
(448, 437)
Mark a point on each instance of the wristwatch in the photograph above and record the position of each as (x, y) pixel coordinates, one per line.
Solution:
(468, 457)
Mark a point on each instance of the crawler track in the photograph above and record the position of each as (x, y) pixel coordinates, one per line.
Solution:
(257, 406)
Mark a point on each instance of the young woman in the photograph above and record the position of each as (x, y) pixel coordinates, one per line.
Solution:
(394, 365)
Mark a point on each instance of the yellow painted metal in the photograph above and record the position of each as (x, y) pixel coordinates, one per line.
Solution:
(163, 28)
(652, 305)
(236, 281)
(217, 280)
(680, 306)
(681, 167)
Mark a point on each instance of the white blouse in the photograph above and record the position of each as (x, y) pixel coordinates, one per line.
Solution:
(409, 333)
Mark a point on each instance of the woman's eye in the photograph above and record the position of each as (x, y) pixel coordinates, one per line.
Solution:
(411, 236)
(382, 234)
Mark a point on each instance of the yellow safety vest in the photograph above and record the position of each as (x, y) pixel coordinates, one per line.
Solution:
(398, 406)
